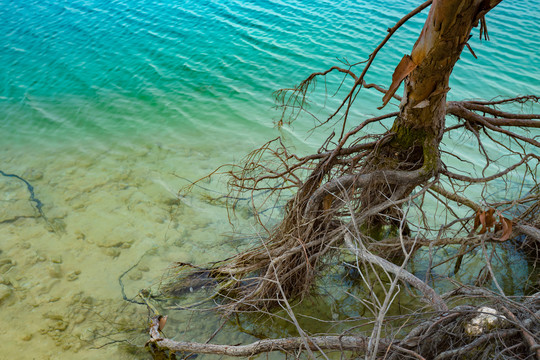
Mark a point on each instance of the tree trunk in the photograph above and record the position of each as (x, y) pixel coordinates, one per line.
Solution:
(420, 124)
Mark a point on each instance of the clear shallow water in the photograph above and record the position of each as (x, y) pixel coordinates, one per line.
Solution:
(104, 105)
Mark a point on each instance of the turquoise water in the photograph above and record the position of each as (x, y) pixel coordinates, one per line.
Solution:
(98, 68)
(106, 105)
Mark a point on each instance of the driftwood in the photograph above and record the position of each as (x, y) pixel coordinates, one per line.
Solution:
(339, 343)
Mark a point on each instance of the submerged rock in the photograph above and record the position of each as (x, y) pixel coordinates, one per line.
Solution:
(5, 292)
(55, 271)
(488, 319)
(6, 264)
(33, 175)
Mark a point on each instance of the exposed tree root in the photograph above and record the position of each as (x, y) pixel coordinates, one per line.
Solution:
(358, 191)
(317, 216)
(515, 336)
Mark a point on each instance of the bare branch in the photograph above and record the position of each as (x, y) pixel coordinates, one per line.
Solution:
(519, 99)
(492, 177)
(340, 343)
(498, 113)
(429, 294)
(461, 112)
(455, 197)
(476, 343)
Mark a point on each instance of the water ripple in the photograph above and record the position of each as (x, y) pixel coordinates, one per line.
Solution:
(176, 58)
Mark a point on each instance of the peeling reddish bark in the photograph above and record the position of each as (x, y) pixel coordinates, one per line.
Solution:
(445, 33)
(426, 72)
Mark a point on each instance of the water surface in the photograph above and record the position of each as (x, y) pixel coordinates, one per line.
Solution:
(107, 107)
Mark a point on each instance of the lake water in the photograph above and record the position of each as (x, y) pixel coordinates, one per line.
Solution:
(108, 108)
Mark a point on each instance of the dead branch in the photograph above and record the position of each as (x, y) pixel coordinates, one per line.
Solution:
(339, 343)
(300, 91)
(460, 111)
(492, 177)
(510, 117)
(429, 294)
(476, 343)
(519, 100)
(455, 197)
(527, 336)
(528, 230)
